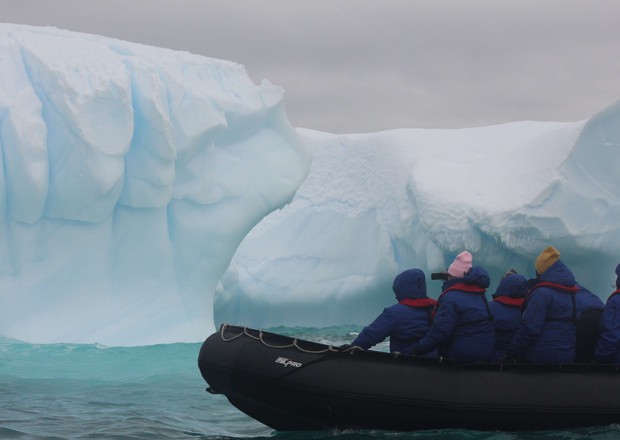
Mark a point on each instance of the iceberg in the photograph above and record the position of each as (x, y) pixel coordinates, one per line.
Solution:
(130, 174)
(148, 195)
(376, 204)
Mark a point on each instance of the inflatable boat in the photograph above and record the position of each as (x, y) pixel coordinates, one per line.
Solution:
(291, 384)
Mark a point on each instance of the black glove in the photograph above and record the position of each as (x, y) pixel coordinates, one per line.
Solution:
(508, 358)
(411, 350)
(344, 347)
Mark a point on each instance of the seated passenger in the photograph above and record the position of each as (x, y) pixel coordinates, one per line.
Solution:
(462, 327)
(405, 322)
(506, 310)
(590, 309)
(608, 347)
(546, 334)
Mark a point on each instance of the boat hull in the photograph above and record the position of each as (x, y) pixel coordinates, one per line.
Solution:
(291, 384)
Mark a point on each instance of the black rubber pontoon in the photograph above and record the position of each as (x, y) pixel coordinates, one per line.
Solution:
(290, 384)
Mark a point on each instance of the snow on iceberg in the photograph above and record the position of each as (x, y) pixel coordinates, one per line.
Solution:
(376, 204)
(129, 176)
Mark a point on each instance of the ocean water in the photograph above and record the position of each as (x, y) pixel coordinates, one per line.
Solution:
(70, 391)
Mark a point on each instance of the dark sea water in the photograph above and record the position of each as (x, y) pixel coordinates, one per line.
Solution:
(69, 391)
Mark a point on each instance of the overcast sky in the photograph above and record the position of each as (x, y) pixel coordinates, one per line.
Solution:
(353, 66)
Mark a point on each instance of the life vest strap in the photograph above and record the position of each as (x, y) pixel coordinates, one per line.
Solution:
(615, 292)
(509, 300)
(418, 302)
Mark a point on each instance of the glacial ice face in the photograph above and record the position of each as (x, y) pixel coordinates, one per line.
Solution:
(129, 176)
(376, 204)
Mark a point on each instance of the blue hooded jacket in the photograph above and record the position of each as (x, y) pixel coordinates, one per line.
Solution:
(546, 334)
(463, 325)
(506, 309)
(608, 347)
(405, 322)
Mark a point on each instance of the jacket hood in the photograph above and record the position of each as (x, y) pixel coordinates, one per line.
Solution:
(558, 273)
(476, 275)
(410, 284)
(514, 285)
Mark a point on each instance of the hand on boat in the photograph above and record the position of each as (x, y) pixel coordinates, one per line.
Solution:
(508, 358)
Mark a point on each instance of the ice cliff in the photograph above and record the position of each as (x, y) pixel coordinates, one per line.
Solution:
(129, 176)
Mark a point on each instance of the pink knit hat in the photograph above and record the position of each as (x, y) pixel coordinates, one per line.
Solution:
(461, 265)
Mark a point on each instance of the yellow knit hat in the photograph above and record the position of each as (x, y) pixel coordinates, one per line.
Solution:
(546, 259)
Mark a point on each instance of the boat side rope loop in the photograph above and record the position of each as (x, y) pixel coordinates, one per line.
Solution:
(224, 327)
(329, 348)
(294, 344)
(260, 338)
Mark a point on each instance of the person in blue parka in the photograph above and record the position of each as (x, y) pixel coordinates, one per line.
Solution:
(462, 327)
(608, 347)
(547, 332)
(506, 309)
(404, 322)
